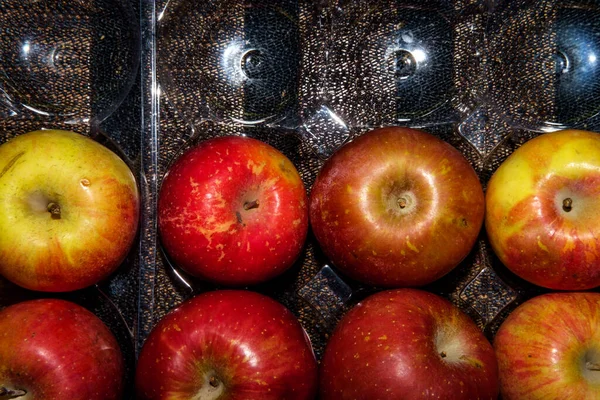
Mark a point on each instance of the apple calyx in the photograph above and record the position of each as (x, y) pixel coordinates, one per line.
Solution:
(54, 210)
(567, 204)
(11, 394)
(248, 205)
(212, 388)
(214, 381)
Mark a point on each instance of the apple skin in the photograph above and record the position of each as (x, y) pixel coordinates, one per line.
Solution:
(528, 228)
(56, 349)
(407, 344)
(549, 348)
(207, 223)
(357, 216)
(252, 346)
(99, 210)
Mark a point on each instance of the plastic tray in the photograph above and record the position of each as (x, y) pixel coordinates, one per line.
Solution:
(305, 76)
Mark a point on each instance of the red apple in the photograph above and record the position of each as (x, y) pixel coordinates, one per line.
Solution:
(549, 348)
(233, 210)
(68, 211)
(396, 207)
(408, 344)
(543, 210)
(227, 345)
(55, 349)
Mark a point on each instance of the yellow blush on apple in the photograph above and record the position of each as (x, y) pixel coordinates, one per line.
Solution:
(68, 211)
(543, 210)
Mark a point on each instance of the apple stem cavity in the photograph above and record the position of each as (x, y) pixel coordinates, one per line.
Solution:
(213, 381)
(54, 210)
(211, 389)
(592, 366)
(11, 394)
(249, 205)
(567, 204)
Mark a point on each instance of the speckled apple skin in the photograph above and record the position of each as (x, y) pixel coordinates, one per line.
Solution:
(543, 345)
(251, 343)
(99, 201)
(204, 225)
(408, 344)
(55, 349)
(356, 218)
(527, 226)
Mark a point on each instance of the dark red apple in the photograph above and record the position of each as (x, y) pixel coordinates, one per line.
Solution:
(408, 344)
(55, 349)
(233, 210)
(228, 345)
(396, 207)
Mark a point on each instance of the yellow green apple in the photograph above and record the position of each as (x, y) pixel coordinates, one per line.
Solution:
(69, 210)
(543, 210)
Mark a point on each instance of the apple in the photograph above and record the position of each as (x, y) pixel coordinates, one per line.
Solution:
(56, 349)
(407, 344)
(549, 348)
(68, 211)
(543, 210)
(396, 207)
(229, 344)
(233, 211)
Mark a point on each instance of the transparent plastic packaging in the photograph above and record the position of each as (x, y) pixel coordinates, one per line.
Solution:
(151, 78)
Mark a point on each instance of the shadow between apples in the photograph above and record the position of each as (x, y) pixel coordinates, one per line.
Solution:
(451, 286)
(283, 288)
(279, 287)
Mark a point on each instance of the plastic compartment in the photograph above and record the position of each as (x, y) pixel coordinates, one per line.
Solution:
(73, 65)
(543, 66)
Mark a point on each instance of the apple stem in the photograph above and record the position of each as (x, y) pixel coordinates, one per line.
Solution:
(402, 202)
(567, 204)
(54, 210)
(12, 394)
(591, 366)
(213, 381)
(249, 205)
(443, 354)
